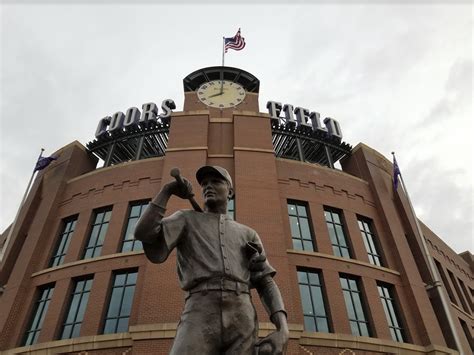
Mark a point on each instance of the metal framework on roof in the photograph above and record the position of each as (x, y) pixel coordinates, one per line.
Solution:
(150, 141)
(194, 80)
(300, 143)
(141, 142)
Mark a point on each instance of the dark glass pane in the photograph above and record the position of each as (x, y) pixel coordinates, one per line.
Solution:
(358, 307)
(301, 211)
(322, 325)
(127, 246)
(103, 231)
(137, 245)
(336, 251)
(353, 285)
(96, 252)
(135, 211)
(122, 325)
(327, 216)
(115, 300)
(297, 244)
(335, 217)
(364, 331)
(313, 278)
(66, 332)
(127, 301)
(76, 330)
(345, 253)
(99, 218)
(107, 216)
(295, 231)
(132, 278)
(305, 232)
(309, 324)
(306, 300)
(82, 308)
(399, 335)
(393, 333)
(308, 245)
(344, 283)
(291, 210)
(340, 234)
(110, 326)
(88, 254)
(354, 328)
(332, 234)
(94, 235)
(302, 277)
(72, 309)
(318, 301)
(349, 306)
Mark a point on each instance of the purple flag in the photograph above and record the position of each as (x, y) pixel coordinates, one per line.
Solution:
(43, 162)
(396, 173)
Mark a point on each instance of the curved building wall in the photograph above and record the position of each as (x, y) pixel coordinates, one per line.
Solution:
(265, 185)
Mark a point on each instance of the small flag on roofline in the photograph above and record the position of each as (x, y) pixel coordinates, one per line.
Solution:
(236, 43)
(43, 162)
(396, 173)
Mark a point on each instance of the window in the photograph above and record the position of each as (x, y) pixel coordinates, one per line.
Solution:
(355, 309)
(300, 228)
(458, 291)
(369, 238)
(447, 286)
(129, 242)
(336, 233)
(120, 304)
(389, 306)
(231, 208)
(63, 241)
(314, 310)
(466, 294)
(77, 307)
(98, 231)
(41, 307)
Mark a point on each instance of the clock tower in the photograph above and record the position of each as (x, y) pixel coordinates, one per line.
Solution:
(221, 90)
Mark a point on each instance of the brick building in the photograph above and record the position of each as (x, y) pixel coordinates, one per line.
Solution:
(351, 263)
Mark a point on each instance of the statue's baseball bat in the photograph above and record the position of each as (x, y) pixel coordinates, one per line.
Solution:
(177, 175)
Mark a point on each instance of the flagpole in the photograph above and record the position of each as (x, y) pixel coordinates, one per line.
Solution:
(223, 50)
(13, 225)
(432, 268)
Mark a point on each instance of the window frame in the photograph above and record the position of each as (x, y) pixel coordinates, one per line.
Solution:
(342, 223)
(323, 299)
(42, 300)
(84, 293)
(308, 218)
(385, 297)
(63, 239)
(372, 255)
(134, 242)
(361, 301)
(123, 287)
(88, 246)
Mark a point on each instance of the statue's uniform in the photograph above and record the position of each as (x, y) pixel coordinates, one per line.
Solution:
(213, 269)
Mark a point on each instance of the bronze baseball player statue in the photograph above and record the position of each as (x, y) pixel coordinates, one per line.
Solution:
(219, 261)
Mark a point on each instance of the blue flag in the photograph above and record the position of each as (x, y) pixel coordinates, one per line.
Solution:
(396, 173)
(43, 162)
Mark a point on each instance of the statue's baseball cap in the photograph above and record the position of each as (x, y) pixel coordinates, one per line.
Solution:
(208, 169)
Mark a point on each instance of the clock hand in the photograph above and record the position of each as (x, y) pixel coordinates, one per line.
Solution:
(219, 93)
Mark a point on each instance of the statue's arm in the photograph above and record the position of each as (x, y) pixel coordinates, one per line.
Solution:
(148, 226)
(158, 237)
(272, 301)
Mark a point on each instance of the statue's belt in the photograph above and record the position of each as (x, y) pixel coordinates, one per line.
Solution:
(219, 284)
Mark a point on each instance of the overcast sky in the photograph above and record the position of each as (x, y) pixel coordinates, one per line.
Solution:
(397, 77)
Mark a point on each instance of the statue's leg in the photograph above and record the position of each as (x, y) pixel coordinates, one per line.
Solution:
(199, 330)
(239, 323)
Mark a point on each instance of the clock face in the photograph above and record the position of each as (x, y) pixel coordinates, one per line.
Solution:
(221, 94)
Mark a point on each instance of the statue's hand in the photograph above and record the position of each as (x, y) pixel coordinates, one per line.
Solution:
(257, 262)
(184, 190)
(273, 344)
